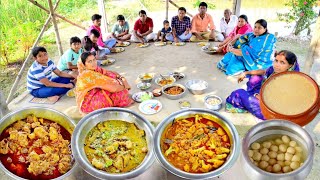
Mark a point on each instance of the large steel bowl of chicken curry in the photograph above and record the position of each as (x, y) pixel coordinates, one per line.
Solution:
(196, 144)
(113, 143)
(35, 143)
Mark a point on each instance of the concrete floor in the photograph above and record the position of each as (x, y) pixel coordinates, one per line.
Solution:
(195, 64)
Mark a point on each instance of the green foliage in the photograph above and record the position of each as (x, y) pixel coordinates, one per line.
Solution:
(210, 5)
(21, 22)
(130, 12)
(19, 26)
(301, 12)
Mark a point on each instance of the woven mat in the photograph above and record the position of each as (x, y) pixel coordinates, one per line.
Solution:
(42, 100)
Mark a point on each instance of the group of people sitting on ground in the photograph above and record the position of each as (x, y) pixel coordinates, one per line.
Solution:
(248, 53)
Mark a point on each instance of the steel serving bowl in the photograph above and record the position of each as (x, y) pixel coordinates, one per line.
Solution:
(146, 77)
(277, 127)
(171, 77)
(173, 97)
(225, 124)
(214, 107)
(101, 115)
(196, 86)
(42, 112)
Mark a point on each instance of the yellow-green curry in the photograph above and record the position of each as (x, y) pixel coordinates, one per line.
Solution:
(116, 146)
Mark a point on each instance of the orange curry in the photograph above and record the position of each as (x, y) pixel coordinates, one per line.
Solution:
(195, 144)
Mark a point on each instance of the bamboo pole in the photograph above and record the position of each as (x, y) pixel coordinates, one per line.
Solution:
(312, 48)
(175, 5)
(56, 30)
(3, 105)
(15, 84)
(236, 7)
(18, 78)
(167, 9)
(56, 14)
(104, 24)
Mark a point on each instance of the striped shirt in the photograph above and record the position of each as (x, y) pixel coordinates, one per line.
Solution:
(38, 72)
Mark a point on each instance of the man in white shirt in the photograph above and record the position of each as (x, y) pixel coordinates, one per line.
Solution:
(228, 23)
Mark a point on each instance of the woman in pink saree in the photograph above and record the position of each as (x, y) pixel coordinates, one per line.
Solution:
(243, 27)
(98, 88)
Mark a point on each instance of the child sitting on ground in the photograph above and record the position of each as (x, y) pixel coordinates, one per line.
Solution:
(40, 80)
(68, 61)
(120, 30)
(164, 31)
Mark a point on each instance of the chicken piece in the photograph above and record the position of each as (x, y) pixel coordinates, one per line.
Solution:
(13, 147)
(27, 128)
(98, 163)
(64, 167)
(33, 156)
(19, 125)
(53, 133)
(35, 124)
(47, 149)
(40, 132)
(29, 119)
(38, 143)
(13, 135)
(55, 158)
(4, 147)
(23, 139)
(31, 136)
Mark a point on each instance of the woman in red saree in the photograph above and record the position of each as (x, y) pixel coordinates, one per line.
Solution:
(243, 27)
(98, 88)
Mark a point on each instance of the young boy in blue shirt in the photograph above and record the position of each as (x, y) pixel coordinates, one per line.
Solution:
(68, 61)
(164, 31)
(40, 80)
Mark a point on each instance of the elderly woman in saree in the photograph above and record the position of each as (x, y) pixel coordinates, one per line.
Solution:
(254, 53)
(248, 100)
(98, 88)
(242, 27)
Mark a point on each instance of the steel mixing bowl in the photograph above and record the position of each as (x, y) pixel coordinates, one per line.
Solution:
(222, 121)
(277, 127)
(42, 112)
(101, 115)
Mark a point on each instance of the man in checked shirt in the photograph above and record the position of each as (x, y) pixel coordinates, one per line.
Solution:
(181, 26)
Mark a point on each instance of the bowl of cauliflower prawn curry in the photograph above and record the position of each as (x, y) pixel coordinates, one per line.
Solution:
(35, 144)
(114, 143)
(196, 144)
